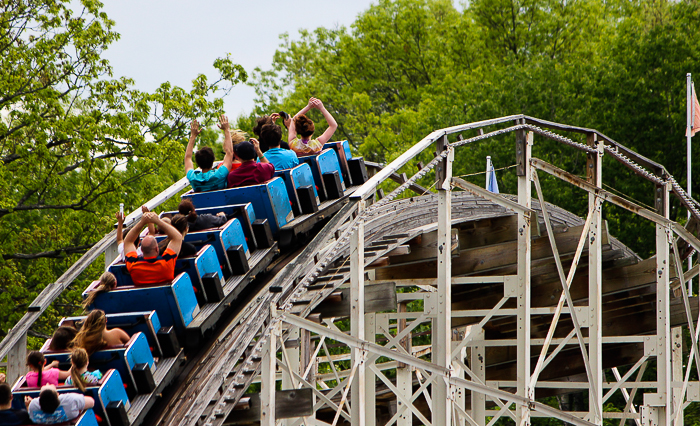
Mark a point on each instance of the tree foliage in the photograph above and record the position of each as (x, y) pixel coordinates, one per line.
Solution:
(407, 67)
(75, 142)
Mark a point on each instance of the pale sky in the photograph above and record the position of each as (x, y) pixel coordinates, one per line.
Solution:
(174, 40)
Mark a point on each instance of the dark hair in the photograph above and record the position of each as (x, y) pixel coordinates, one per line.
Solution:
(179, 222)
(62, 337)
(35, 359)
(48, 400)
(304, 126)
(271, 135)
(107, 282)
(186, 208)
(5, 393)
(260, 122)
(204, 158)
(245, 151)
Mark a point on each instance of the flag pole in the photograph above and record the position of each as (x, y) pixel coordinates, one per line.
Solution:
(689, 118)
(488, 169)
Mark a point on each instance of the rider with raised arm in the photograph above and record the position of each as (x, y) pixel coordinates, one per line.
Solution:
(208, 178)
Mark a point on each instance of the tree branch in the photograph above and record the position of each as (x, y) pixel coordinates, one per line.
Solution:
(62, 252)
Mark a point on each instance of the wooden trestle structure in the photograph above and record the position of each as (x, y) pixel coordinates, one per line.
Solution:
(460, 307)
(522, 300)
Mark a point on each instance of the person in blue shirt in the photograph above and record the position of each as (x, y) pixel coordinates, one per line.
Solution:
(281, 158)
(208, 178)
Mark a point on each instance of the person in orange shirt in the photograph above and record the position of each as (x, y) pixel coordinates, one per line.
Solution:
(152, 268)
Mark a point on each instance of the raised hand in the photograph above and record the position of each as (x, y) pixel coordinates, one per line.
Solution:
(223, 122)
(194, 128)
(144, 209)
(120, 218)
(274, 116)
(150, 217)
(315, 103)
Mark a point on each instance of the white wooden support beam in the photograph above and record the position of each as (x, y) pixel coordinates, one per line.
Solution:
(370, 377)
(357, 318)
(677, 370)
(268, 379)
(17, 360)
(442, 325)
(460, 394)
(111, 253)
(478, 367)
(291, 355)
(663, 328)
(595, 282)
(523, 154)
(404, 376)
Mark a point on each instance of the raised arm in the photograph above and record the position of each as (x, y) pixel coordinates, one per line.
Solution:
(151, 227)
(120, 228)
(175, 236)
(130, 239)
(332, 125)
(291, 130)
(194, 132)
(228, 144)
(259, 153)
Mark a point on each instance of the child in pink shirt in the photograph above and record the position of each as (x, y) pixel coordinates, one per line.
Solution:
(40, 372)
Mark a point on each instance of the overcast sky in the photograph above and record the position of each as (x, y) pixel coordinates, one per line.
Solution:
(174, 40)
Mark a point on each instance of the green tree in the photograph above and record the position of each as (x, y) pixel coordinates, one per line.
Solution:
(75, 142)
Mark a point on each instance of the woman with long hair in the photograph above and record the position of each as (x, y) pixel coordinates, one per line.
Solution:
(197, 222)
(107, 282)
(93, 334)
(304, 127)
(79, 374)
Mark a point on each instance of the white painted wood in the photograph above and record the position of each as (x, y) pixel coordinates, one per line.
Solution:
(478, 367)
(268, 380)
(357, 318)
(370, 377)
(663, 329)
(523, 293)
(442, 329)
(595, 289)
(17, 360)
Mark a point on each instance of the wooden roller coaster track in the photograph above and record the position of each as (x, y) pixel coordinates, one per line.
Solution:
(461, 304)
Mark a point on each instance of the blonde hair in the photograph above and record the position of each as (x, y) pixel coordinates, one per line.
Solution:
(107, 282)
(79, 360)
(238, 136)
(90, 335)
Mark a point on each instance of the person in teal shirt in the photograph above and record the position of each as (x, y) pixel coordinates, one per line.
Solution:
(271, 135)
(208, 178)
